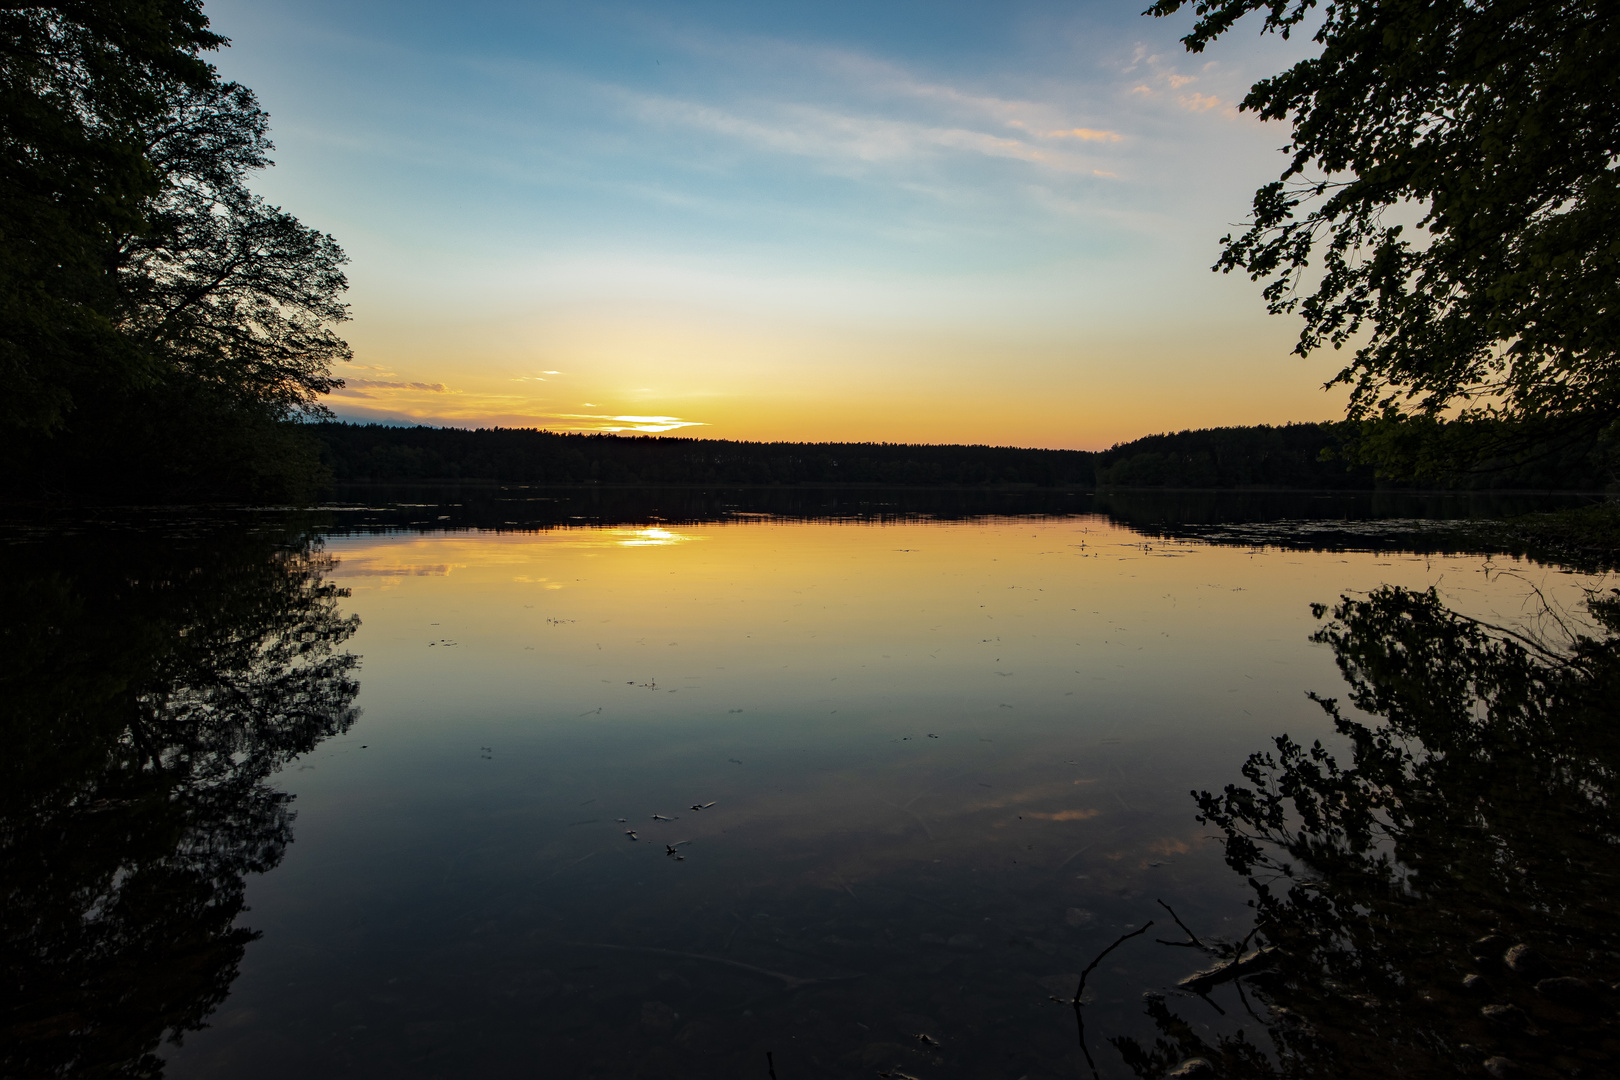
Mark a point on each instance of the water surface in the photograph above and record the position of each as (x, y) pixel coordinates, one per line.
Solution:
(657, 798)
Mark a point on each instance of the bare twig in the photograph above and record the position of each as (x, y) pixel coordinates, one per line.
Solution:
(906, 809)
(1192, 938)
(1244, 944)
(570, 866)
(1122, 939)
(1080, 990)
(1243, 997)
(1548, 610)
(1075, 856)
(790, 982)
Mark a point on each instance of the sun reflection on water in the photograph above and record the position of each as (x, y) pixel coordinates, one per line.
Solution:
(651, 538)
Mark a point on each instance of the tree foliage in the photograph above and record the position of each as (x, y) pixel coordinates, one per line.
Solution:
(153, 306)
(77, 81)
(229, 290)
(1476, 814)
(1495, 122)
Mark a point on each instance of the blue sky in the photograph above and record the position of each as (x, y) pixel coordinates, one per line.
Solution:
(911, 222)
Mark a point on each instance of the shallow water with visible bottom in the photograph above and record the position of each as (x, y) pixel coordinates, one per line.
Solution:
(832, 799)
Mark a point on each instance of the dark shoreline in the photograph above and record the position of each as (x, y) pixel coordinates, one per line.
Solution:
(1574, 529)
(1286, 458)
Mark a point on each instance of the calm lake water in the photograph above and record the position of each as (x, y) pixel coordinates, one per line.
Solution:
(406, 790)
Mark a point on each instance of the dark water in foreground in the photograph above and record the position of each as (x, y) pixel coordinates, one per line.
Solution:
(459, 786)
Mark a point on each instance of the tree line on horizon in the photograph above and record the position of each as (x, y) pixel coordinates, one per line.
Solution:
(1307, 456)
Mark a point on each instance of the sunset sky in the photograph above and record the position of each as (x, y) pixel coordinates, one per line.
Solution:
(897, 221)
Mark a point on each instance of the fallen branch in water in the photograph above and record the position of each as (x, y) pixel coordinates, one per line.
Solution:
(1202, 982)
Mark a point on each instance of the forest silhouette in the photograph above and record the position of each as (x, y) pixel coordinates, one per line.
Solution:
(1284, 457)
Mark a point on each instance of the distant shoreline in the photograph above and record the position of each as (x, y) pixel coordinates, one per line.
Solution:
(590, 485)
(1295, 458)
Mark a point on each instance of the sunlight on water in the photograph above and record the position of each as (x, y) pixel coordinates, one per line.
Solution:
(654, 538)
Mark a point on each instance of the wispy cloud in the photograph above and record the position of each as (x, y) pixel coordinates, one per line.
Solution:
(384, 384)
(848, 138)
(1086, 135)
(1164, 79)
(493, 410)
(645, 424)
(1007, 110)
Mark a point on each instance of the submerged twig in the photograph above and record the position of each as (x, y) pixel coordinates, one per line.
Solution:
(1075, 856)
(1243, 997)
(569, 866)
(790, 982)
(1192, 938)
(906, 809)
(1080, 990)
(1122, 939)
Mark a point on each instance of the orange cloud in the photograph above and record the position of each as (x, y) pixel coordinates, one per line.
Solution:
(384, 384)
(1086, 135)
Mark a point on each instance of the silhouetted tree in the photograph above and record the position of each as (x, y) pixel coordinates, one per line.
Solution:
(161, 321)
(230, 292)
(1499, 121)
(152, 686)
(1444, 899)
(78, 83)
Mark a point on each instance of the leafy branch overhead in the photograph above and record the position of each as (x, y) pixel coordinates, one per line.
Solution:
(233, 291)
(157, 319)
(1493, 128)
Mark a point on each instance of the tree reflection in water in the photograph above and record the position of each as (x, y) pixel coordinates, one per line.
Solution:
(151, 686)
(1443, 905)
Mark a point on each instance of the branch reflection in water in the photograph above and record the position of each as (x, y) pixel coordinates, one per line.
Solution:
(1442, 904)
(152, 684)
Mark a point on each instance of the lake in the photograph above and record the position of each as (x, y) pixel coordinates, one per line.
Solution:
(807, 785)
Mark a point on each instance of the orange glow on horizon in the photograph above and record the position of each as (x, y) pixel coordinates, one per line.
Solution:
(733, 380)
